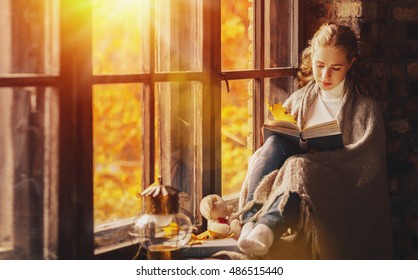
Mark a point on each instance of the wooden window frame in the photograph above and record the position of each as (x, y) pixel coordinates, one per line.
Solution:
(261, 71)
(75, 81)
(213, 76)
(33, 227)
(151, 79)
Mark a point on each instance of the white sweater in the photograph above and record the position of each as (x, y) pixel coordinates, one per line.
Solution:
(326, 105)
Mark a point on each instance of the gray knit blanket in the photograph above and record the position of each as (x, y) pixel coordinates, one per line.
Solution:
(345, 209)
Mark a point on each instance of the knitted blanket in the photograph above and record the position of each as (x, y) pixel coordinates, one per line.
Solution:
(345, 209)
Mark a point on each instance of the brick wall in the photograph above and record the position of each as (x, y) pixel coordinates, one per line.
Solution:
(388, 33)
(402, 46)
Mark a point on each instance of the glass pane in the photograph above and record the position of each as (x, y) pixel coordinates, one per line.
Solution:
(121, 36)
(236, 128)
(180, 123)
(29, 33)
(28, 172)
(117, 144)
(237, 34)
(280, 35)
(178, 26)
(277, 91)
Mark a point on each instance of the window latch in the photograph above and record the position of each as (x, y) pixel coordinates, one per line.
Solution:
(223, 75)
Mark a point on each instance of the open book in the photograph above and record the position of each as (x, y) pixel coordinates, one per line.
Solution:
(324, 136)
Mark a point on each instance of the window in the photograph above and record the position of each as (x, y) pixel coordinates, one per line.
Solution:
(259, 60)
(148, 101)
(29, 132)
(101, 97)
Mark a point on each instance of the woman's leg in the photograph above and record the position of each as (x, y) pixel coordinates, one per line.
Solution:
(273, 154)
(271, 225)
(280, 223)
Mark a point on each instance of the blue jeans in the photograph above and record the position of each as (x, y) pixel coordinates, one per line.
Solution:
(273, 154)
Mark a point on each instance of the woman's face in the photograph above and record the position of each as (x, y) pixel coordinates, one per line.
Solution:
(329, 66)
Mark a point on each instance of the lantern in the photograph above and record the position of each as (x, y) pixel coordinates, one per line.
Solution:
(162, 229)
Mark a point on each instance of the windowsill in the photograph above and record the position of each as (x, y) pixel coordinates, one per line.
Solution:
(109, 248)
(210, 247)
(114, 237)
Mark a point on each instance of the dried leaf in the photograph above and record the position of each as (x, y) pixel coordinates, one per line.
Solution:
(280, 114)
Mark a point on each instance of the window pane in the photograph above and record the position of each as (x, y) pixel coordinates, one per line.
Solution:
(236, 128)
(121, 36)
(178, 27)
(29, 37)
(117, 144)
(277, 90)
(180, 124)
(237, 34)
(279, 34)
(28, 172)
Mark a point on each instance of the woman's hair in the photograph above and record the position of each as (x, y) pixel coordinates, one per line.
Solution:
(342, 38)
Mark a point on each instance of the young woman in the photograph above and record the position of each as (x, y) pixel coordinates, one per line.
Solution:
(338, 199)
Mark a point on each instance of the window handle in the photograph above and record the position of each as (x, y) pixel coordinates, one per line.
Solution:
(223, 75)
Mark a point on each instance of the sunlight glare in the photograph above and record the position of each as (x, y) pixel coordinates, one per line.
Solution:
(117, 8)
(120, 32)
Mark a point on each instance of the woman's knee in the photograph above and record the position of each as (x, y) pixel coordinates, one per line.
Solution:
(275, 145)
(272, 140)
(272, 143)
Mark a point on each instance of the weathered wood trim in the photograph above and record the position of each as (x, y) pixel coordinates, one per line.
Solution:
(75, 133)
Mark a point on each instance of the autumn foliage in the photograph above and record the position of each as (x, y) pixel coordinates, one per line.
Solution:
(236, 55)
(117, 107)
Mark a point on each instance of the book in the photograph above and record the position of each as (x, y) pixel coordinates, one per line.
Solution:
(320, 137)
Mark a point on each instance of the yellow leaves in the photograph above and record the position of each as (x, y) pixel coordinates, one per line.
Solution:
(117, 151)
(234, 154)
(233, 28)
(171, 230)
(236, 45)
(115, 191)
(208, 235)
(280, 114)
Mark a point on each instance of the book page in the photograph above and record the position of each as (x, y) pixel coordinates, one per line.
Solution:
(279, 129)
(322, 129)
(283, 124)
(333, 124)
